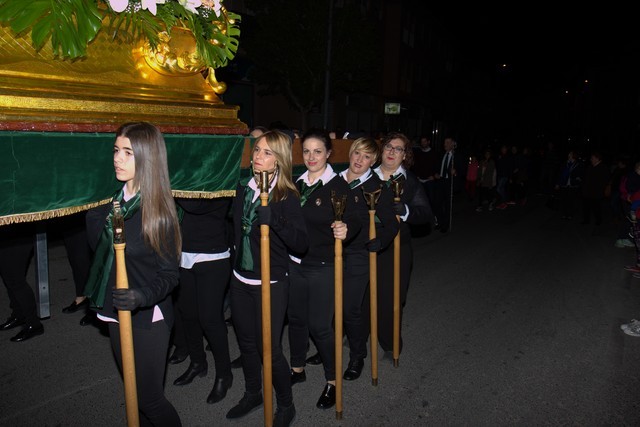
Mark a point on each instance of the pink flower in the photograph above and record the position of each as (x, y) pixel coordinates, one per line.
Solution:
(118, 5)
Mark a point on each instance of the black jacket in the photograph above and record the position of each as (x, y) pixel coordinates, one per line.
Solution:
(318, 215)
(154, 275)
(204, 225)
(286, 233)
(387, 225)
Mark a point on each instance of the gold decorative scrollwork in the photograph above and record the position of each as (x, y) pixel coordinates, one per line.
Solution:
(175, 55)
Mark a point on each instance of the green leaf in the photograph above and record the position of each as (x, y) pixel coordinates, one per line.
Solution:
(40, 33)
(27, 16)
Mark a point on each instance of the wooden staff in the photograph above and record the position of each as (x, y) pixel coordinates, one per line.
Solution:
(124, 319)
(265, 268)
(372, 199)
(339, 203)
(397, 190)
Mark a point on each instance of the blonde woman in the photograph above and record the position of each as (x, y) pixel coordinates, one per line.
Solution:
(287, 232)
(363, 154)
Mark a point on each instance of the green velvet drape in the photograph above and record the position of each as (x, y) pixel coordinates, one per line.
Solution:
(50, 174)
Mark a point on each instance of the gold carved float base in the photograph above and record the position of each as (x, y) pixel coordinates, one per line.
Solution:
(112, 85)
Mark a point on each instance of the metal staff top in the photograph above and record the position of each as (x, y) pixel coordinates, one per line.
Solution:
(117, 224)
(372, 198)
(339, 203)
(396, 185)
(263, 182)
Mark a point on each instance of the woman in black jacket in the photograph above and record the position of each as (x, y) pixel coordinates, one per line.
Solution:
(413, 209)
(363, 154)
(152, 257)
(311, 298)
(287, 232)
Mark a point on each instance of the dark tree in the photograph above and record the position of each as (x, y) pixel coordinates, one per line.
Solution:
(287, 42)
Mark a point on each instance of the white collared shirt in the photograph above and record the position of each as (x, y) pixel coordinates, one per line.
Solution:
(326, 176)
(363, 178)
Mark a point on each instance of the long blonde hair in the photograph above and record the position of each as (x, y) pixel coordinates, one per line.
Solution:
(160, 223)
(280, 144)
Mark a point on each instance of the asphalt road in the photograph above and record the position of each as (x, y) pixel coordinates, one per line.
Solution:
(513, 319)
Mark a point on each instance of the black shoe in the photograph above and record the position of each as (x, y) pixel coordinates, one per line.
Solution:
(178, 356)
(88, 319)
(328, 397)
(354, 370)
(298, 377)
(284, 416)
(12, 322)
(194, 370)
(28, 332)
(73, 307)
(236, 363)
(248, 403)
(219, 390)
(314, 360)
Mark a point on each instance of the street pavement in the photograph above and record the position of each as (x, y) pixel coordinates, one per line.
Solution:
(513, 319)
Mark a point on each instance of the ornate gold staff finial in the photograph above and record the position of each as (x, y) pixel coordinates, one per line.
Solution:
(117, 223)
(372, 198)
(263, 181)
(396, 185)
(339, 203)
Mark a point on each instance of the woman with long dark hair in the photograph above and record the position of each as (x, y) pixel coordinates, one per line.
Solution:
(152, 253)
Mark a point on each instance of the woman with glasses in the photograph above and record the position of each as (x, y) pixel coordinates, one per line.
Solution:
(311, 296)
(412, 209)
(363, 154)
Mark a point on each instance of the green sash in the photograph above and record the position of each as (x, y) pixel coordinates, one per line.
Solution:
(96, 286)
(306, 190)
(249, 215)
(393, 178)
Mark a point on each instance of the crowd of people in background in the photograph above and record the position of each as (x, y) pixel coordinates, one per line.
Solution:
(219, 264)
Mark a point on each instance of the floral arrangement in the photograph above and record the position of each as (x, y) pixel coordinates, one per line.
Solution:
(72, 24)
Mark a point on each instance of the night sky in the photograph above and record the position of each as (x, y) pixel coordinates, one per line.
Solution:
(569, 74)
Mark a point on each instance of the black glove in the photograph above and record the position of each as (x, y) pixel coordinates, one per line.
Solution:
(399, 208)
(264, 215)
(373, 245)
(127, 299)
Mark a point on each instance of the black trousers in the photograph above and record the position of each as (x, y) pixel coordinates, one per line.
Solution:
(355, 318)
(74, 234)
(442, 206)
(311, 309)
(178, 338)
(385, 290)
(201, 300)
(150, 347)
(246, 312)
(16, 250)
